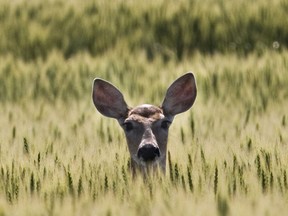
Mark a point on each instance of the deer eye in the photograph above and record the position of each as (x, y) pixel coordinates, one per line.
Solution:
(165, 124)
(128, 126)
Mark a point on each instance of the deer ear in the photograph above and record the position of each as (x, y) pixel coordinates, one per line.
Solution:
(180, 96)
(108, 100)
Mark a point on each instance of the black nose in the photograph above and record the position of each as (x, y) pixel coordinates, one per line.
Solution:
(148, 152)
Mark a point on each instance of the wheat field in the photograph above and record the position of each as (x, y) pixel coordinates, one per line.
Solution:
(228, 155)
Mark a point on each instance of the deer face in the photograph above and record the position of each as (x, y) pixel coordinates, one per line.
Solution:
(146, 126)
(146, 130)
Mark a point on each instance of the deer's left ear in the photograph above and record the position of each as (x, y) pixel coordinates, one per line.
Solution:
(180, 96)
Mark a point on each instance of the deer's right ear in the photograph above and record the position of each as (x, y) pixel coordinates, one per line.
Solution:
(108, 100)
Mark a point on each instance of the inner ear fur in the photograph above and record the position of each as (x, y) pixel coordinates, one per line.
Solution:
(108, 100)
(180, 95)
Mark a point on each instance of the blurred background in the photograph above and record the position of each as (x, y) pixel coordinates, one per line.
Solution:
(53, 49)
(31, 30)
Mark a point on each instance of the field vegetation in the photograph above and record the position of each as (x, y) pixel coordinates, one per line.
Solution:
(228, 155)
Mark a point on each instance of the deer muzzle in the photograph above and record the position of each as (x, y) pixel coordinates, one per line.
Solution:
(148, 152)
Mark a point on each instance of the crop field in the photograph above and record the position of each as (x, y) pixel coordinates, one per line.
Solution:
(228, 155)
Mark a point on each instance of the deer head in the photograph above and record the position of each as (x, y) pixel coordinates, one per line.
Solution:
(146, 126)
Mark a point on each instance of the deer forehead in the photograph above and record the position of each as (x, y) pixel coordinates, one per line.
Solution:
(145, 113)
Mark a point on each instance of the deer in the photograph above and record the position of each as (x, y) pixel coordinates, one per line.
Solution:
(146, 126)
